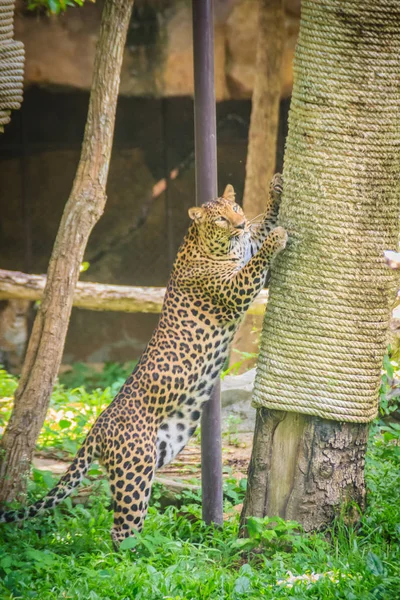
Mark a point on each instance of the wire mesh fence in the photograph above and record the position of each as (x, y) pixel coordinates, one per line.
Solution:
(150, 189)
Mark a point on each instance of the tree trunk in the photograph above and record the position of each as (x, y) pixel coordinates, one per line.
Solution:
(263, 135)
(303, 468)
(325, 330)
(82, 211)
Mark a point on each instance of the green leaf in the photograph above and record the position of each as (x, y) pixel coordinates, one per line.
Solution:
(5, 562)
(243, 543)
(246, 570)
(70, 446)
(254, 526)
(242, 585)
(95, 472)
(104, 573)
(48, 479)
(268, 535)
(85, 265)
(45, 558)
(128, 543)
(387, 365)
(64, 423)
(54, 6)
(374, 564)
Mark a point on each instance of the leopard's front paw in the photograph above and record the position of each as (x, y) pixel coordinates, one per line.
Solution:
(278, 238)
(276, 189)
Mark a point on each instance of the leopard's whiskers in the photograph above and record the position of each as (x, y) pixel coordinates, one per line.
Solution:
(251, 221)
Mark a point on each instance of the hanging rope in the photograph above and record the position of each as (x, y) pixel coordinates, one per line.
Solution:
(11, 64)
(325, 331)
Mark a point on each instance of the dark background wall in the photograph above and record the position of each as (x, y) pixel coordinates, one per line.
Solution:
(136, 239)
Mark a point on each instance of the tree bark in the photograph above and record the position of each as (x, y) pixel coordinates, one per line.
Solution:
(264, 120)
(263, 135)
(99, 296)
(82, 211)
(304, 468)
(325, 330)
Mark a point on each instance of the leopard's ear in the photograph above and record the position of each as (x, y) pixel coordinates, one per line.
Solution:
(229, 193)
(196, 213)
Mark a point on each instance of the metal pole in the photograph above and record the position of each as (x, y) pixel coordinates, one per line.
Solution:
(206, 189)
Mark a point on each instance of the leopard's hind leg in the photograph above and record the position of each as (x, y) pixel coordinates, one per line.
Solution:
(131, 473)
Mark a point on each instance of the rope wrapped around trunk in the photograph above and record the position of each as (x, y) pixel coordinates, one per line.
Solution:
(12, 57)
(325, 330)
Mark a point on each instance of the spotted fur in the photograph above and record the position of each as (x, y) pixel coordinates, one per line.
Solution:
(219, 270)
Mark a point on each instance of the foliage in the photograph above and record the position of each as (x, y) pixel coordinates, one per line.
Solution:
(232, 430)
(53, 7)
(234, 368)
(269, 534)
(234, 490)
(112, 375)
(69, 418)
(8, 384)
(390, 387)
(386, 429)
(72, 411)
(68, 553)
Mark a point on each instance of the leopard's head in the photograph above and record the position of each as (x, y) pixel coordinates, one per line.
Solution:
(220, 223)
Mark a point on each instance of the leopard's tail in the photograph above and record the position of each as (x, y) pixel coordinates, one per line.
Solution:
(68, 482)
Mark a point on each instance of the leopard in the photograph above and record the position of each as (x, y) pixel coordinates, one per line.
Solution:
(220, 268)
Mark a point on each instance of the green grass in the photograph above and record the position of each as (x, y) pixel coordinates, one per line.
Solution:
(68, 553)
(112, 375)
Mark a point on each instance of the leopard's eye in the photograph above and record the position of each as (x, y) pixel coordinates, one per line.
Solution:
(236, 208)
(222, 222)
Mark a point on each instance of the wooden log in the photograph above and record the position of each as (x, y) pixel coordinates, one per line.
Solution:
(98, 296)
(171, 494)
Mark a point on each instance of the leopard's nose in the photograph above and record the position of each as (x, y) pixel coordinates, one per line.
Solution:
(241, 225)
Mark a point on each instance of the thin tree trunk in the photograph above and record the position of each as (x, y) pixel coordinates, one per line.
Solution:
(326, 326)
(82, 211)
(263, 135)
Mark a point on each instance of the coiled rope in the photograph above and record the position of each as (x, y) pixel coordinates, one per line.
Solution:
(325, 331)
(12, 57)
